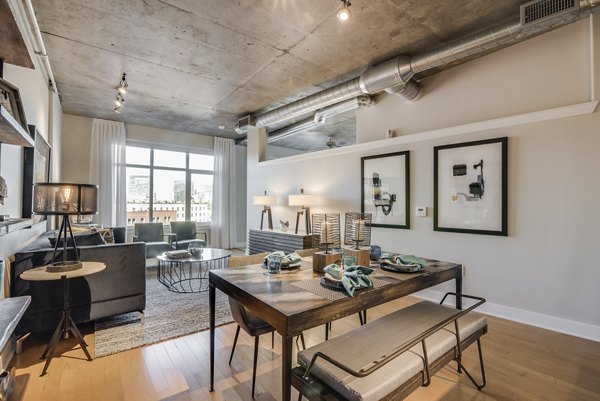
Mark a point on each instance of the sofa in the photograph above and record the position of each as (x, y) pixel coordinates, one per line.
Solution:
(120, 288)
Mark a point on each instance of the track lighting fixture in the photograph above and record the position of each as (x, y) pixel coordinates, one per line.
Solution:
(123, 85)
(121, 90)
(343, 13)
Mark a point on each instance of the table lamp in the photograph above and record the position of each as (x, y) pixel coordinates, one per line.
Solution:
(63, 199)
(304, 201)
(266, 201)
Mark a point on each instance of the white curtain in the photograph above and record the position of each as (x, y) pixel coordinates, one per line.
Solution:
(107, 170)
(223, 226)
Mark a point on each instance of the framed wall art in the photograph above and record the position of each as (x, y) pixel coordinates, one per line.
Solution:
(470, 186)
(385, 189)
(10, 99)
(36, 168)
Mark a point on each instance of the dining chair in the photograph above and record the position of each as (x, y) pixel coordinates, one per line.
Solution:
(304, 253)
(245, 319)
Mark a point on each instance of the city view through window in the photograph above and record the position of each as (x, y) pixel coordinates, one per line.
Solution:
(180, 184)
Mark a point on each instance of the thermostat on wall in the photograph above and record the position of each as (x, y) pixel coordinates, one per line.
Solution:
(421, 211)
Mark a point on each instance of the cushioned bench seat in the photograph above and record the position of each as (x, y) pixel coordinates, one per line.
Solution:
(359, 348)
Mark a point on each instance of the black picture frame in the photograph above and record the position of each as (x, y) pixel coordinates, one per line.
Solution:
(36, 168)
(397, 199)
(10, 99)
(468, 209)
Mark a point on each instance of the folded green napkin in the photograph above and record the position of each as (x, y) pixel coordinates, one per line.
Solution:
(353, 277)
(292, 259)
(405, 259)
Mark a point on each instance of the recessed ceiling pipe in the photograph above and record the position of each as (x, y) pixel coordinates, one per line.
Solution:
(396, 75)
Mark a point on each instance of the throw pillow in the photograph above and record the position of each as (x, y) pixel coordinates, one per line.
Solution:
(107, 235)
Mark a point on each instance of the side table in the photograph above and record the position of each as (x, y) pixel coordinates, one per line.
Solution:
(66, 323)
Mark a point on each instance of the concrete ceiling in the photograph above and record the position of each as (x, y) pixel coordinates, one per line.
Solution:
(193, 65)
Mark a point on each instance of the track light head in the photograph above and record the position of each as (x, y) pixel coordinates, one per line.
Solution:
(123, 85)
(344, 13)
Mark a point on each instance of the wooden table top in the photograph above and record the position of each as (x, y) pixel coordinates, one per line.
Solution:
(289, 307)
(40, 273)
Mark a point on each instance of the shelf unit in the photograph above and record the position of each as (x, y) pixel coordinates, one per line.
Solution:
(11, 132)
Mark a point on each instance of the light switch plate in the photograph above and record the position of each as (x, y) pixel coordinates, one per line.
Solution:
(421, 211)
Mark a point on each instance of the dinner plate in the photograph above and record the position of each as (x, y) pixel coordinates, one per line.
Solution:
(400, 268)
(284, 266)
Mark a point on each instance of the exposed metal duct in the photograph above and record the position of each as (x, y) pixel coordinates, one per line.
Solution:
(318, 119)
(396, 75)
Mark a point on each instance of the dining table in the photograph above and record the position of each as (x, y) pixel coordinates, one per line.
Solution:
(296, 300)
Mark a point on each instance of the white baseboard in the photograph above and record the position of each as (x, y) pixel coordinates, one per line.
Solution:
(571, 327)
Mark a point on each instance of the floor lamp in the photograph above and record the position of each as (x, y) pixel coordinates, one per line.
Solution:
(63, 199)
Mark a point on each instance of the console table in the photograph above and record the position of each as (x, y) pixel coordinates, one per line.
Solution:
(277, 240)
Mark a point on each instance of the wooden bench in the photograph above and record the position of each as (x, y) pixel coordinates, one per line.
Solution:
(390, 357)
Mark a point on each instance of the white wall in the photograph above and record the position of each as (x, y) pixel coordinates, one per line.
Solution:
(76, 135)
(42, 109)
(545, 271)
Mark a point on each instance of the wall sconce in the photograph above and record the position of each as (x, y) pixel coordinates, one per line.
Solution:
(266, 201)
(304, 201)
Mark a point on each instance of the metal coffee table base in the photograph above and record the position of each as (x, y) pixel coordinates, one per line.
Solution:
(187, 276)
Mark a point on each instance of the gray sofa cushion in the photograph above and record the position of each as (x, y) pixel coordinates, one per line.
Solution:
(87, 239)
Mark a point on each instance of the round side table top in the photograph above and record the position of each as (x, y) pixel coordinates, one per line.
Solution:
(40, 273)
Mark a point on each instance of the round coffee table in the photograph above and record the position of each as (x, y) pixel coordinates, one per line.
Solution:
(66, 323)
(190, 274)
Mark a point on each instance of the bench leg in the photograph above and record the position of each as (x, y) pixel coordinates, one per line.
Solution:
(483, 382)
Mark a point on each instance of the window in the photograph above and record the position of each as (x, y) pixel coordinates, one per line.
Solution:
(166, 185)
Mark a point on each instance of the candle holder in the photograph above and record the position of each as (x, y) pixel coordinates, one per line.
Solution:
(357, 229)
(327, 225)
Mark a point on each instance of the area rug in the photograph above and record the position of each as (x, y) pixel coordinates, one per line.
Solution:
(167, 315)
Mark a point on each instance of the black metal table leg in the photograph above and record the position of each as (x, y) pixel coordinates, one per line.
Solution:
(65, 326)
(211, 305)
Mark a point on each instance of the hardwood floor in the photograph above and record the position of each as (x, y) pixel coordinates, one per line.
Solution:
(522, 363)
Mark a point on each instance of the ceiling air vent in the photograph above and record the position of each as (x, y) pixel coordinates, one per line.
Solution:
(242, 125)
(536, 11)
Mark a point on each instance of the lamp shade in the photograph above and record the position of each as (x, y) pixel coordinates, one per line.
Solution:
(64, 198)
(301, 199)
(265, 200)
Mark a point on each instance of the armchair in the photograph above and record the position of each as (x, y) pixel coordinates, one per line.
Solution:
(152, 234)
(183, 233)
